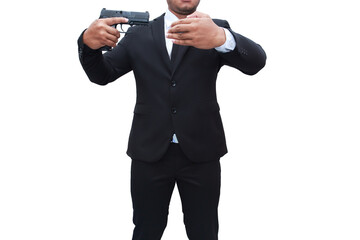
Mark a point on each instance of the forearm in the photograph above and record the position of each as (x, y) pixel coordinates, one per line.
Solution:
(248, 56)
(97, 67)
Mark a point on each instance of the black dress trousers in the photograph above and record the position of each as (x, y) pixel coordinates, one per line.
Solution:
(152, 185)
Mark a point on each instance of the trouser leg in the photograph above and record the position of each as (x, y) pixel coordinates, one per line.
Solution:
(151, 190)
(152, 185)
(199, 189)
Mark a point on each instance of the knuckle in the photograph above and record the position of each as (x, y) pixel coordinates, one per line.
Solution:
(102, 34)
(99, 22)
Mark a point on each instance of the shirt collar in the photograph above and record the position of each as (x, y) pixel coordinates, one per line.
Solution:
(169, 18)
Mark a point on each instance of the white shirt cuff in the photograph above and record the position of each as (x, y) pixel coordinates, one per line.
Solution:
(229, 44)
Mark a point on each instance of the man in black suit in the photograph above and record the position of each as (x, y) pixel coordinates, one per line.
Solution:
(177, 134)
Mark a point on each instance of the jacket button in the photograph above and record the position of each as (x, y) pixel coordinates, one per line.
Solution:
(173, 110)
(173, 83)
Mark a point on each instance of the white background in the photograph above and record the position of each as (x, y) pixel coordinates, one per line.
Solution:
(292, 171)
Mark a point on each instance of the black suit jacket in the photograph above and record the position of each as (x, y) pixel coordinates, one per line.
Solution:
(172, 97)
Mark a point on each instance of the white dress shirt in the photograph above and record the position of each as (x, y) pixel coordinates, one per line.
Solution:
(228, 46)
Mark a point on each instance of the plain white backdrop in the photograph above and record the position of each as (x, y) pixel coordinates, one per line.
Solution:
(292, 171)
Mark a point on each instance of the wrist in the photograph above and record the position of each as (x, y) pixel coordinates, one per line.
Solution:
(85, 39)
(220, 37)
(88, 42)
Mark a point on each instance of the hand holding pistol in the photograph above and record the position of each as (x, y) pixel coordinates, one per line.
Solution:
(103, 34)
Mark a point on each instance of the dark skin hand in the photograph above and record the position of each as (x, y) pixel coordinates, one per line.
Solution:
(100, 33)
(197, 30)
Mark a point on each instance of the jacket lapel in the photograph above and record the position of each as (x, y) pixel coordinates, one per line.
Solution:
(159, 38)
(180, 54)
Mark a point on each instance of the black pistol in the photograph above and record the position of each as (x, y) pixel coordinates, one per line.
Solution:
(135, 18)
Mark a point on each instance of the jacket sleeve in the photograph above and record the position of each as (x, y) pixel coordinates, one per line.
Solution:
(248, 56)
(103, 68)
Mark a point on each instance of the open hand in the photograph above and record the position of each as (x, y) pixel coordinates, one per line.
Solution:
(197, 30)
(100, 33)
